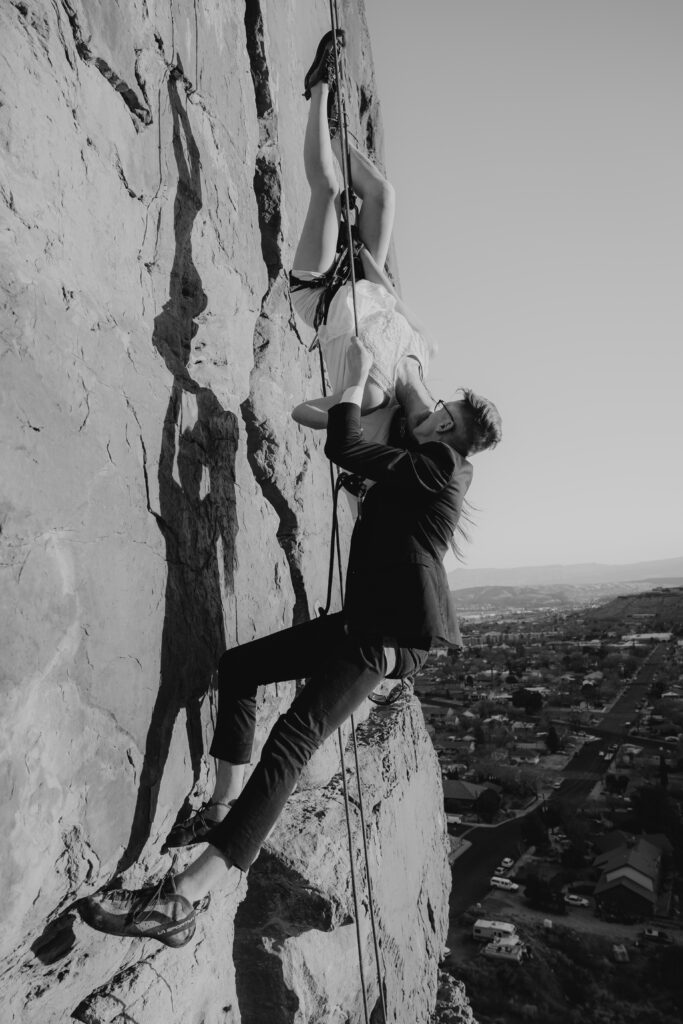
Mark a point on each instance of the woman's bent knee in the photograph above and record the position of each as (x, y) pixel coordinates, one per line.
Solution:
(324, 190)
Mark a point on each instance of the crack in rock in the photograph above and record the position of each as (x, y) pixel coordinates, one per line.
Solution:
(268, 192)
(137, 107)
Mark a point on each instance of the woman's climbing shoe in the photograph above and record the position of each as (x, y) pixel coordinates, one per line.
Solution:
(156, 912)
(195, 828)
(322, 68)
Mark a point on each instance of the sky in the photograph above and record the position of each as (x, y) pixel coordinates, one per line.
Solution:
(536, 147)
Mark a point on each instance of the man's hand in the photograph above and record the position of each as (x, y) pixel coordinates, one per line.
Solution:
(358, 363)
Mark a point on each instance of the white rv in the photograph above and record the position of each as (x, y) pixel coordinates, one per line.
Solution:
(487, 931)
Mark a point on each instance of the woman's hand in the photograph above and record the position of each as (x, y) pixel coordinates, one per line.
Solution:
(358, 362)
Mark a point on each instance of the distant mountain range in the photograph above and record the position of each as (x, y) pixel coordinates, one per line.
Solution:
(665, 572)
(662, 608)
(558, 597)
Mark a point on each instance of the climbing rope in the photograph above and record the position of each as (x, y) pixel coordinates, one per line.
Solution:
(335, 547)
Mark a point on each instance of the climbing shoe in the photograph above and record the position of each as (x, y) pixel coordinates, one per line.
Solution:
(195, 828)
(398, 697)
(322, 69)
(156, 912)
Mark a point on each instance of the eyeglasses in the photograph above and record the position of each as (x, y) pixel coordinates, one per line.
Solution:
(447, 411)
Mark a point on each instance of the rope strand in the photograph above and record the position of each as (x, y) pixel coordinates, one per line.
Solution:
(335, 548)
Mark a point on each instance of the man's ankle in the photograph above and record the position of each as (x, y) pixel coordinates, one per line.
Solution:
(218, 809)
(185, 888)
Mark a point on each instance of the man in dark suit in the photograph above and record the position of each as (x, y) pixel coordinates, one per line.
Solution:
(397, 604)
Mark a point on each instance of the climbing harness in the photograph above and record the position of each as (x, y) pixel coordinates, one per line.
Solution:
(339, 274)
(343, 271)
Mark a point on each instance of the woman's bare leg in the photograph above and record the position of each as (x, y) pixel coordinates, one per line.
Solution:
(378, 202)
(318, 242)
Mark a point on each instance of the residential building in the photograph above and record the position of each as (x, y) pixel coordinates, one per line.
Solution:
(630, 876)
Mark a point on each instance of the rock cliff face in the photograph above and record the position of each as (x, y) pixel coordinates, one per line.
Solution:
(158, 505)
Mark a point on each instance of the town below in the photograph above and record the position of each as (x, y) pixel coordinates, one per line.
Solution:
(560, 739)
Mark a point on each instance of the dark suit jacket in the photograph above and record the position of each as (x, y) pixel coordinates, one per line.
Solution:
(396, 585)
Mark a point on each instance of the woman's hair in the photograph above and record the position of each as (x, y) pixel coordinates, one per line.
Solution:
(486, 426)
(462, 532)
(485, 430)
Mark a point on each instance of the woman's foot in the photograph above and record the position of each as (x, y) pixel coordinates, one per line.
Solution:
(195, 828)
(156, 912)
(323, 67)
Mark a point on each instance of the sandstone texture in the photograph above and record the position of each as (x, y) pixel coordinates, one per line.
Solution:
(158, 504)
(452, 1004)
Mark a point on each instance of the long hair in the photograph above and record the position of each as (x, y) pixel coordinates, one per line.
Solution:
(462, 530)
(486, 430)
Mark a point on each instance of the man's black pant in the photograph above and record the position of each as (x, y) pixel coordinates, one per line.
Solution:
(340, 670)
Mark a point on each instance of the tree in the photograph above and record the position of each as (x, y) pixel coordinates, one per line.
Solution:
(544, 895)
(611, 783)
(530, 700)
(655, 811)
(552, 740)
(533, 830)
(487, 804)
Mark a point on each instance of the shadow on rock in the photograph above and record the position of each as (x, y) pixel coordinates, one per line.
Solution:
(196, 504)
(56, 940)
(280, 904)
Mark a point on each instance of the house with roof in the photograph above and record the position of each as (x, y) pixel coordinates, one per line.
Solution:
(630, 875)
(460, 796)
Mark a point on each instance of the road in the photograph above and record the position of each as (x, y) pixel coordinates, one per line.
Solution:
(587, 767)
(471, 871)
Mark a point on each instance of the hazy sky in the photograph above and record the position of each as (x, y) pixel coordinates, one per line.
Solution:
(537, 151)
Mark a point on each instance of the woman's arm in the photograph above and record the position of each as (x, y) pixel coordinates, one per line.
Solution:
(313, 413)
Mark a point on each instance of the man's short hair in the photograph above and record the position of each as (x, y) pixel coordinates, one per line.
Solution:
(486, 426)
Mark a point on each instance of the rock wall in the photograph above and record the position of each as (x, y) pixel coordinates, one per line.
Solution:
(158, 504)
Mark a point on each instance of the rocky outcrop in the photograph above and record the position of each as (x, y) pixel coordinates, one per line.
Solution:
(158, 504)
(452, 1004)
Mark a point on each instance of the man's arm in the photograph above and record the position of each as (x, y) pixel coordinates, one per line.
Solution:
(429, 469)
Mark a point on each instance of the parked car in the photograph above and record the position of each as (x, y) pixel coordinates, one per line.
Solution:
(576, 901)
(507, 863)
(557, 784)
(503, 883)
(656, 935)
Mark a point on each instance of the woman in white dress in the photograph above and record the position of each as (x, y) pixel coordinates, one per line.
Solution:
(386, 327)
